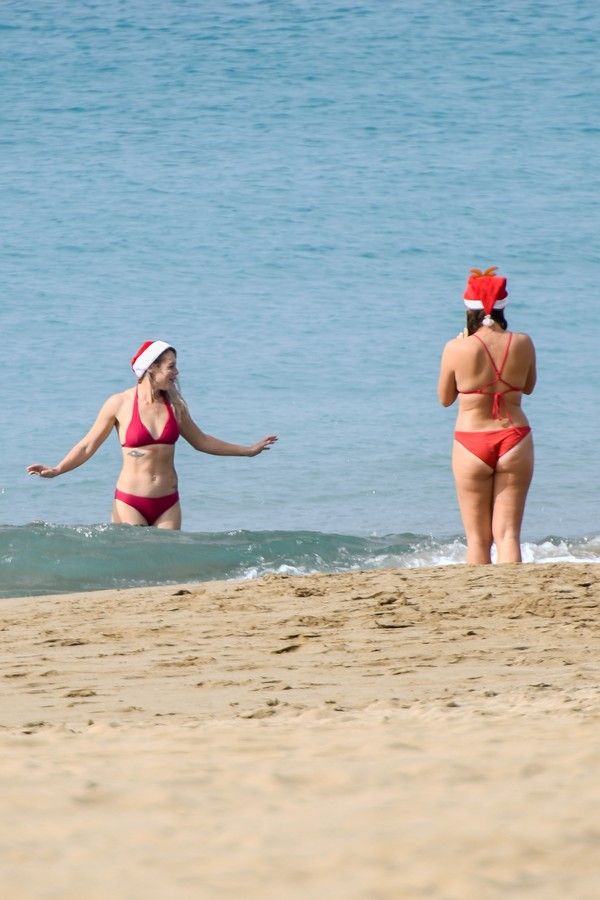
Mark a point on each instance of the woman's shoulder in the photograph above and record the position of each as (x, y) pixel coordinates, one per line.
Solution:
(520, 337)
(122, 395)
(115, 401)
(463, 343)
(456, 342)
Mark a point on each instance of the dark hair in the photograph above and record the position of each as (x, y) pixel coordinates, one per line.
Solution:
(475, 319)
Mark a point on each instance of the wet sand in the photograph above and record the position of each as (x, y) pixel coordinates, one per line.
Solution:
(399, 733)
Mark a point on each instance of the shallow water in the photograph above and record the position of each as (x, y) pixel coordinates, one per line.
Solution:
(45, 559)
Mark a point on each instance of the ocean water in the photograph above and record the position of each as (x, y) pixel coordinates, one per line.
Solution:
(291, 193)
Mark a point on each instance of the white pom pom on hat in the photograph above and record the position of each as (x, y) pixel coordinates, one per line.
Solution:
(146, 355)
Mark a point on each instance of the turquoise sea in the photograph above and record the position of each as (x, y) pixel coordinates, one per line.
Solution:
(291, 193)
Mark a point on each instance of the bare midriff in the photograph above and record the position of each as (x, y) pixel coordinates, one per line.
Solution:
(148, 471)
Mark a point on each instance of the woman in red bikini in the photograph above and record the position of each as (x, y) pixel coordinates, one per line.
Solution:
(149, 419)
(489, 369)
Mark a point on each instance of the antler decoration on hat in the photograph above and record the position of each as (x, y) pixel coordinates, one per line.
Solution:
(487, 291)
(477, 273)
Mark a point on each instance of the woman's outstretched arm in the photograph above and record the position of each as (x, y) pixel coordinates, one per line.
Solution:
(206, 443)
(87, 446)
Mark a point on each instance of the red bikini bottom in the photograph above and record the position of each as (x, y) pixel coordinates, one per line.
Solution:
(489, 446)
(151, 508)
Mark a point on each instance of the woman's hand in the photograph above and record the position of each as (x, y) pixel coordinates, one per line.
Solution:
(87, 446)
(43, 471)
(261, 445)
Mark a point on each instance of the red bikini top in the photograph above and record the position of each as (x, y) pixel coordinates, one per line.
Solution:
(137, 435)
(497, 396)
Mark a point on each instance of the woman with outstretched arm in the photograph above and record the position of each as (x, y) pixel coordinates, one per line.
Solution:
(149, 418)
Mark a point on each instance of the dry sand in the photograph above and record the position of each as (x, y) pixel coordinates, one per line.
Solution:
(388, 734)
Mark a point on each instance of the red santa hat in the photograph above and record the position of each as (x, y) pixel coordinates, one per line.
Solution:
(146, 355)
(487, 291)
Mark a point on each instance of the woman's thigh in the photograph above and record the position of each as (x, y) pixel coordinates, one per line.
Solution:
(124, 514)
(474, 488)
(171, 518)
(511, 484)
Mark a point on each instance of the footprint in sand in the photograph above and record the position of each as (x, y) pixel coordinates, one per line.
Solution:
(260, 713)
(180, 663)
(288, 649)
(307, 592)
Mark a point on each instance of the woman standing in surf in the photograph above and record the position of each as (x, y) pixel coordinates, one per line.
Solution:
(489, 369)
(148, 418)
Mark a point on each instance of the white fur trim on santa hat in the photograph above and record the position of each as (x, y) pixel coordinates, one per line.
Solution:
(143, 362)
(477, 304)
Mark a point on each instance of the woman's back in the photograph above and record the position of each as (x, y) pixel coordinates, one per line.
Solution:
(492, 369)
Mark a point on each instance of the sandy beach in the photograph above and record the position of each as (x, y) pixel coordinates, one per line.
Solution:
(383, 734)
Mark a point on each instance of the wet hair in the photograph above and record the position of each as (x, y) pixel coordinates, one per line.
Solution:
(173, 395)
(475, 319)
